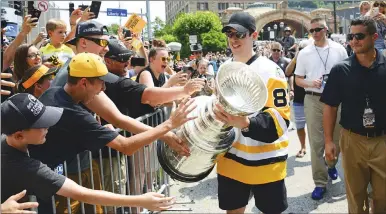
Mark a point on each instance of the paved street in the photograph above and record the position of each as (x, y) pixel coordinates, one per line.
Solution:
(299, 187)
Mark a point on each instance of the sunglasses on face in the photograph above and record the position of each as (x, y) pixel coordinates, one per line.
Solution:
(238, 35)
(377, 4)
(357, 36)
(101, 42)
(34, 55)
(318, 29)
(276, 50)
(165, 59)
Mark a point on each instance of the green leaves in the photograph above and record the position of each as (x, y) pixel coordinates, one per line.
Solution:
(205, 24)
(214, 41)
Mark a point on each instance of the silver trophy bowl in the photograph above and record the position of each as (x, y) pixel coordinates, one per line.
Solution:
(240, 91)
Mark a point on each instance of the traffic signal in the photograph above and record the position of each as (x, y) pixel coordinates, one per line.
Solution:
(18, 8)
(71, 8)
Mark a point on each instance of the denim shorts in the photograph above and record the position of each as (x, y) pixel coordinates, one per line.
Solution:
(300, 118)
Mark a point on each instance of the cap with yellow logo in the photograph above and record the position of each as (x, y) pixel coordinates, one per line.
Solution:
(90, 65)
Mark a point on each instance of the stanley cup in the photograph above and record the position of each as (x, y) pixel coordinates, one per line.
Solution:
(240, 91)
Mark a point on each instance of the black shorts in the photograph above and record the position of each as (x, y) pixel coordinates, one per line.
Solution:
(270, 198)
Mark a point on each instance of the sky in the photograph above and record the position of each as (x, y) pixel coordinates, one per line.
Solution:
(157, 8)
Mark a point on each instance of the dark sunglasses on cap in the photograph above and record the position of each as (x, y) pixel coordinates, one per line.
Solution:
(357, 36)
(101, 42)
(318, 29)
(165, 59)
(238, 35)
(276, 50)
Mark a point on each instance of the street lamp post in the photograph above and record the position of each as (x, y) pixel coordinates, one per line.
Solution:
(269, 33)
(262, 34)
(275, 28)
(281, 29)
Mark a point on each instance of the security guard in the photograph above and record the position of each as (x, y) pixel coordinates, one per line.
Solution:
(358, 83)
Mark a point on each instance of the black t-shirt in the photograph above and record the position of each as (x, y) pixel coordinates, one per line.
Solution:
(299, 92)
(20, 172)
(157, 82)
(282, 62)
(126, 95)
(76, 131)
(349, 83)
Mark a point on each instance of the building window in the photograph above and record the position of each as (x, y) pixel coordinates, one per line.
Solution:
(238, 5)
(223, 6)
(187, 9)
(202, 6)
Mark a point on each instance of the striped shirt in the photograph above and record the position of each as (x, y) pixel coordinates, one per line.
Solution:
(259, 156)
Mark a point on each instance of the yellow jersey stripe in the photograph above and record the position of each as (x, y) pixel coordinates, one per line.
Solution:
(260, 149)
(279, 129)
(251, 174)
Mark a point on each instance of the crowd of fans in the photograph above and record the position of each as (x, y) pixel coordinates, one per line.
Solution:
(84, 83)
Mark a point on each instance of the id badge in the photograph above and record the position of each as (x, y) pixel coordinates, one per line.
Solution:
(59, 169)
(368, 118)
(324, 80)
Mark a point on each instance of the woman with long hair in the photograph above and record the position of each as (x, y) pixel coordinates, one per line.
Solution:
(26, 56)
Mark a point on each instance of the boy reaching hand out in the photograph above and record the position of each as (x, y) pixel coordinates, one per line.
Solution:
(25, 120)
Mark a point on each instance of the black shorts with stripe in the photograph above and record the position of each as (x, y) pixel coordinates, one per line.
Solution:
(270, 198)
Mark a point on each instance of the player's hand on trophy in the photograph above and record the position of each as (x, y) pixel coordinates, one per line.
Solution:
(231, 120)
(194, 85)
(176, 144)
(156, 202)
(180, 115)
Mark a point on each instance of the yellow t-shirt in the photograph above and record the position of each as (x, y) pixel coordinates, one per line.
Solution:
(63, 53)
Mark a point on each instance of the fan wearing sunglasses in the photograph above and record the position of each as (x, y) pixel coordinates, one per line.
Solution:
(276, 56)
(360, 79)
(313, 66)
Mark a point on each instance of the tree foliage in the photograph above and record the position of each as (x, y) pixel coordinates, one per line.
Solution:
(113, 29)
(168, 38)
(214, 41)
(206, 25)
(160, 28)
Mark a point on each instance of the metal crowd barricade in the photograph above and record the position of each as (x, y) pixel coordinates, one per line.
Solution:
(130, 175)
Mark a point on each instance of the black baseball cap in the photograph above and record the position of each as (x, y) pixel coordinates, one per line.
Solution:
(242, 22)
(88, 28)
(23, 111)
(118, 51)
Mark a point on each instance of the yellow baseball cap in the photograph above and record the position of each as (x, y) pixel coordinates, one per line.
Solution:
(90, 65)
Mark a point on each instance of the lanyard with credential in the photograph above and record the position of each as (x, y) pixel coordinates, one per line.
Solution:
(321, 59)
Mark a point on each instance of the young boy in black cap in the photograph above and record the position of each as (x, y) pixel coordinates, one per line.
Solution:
(25, 121)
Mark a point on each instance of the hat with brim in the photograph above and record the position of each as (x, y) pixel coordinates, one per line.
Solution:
(86, 65)
(50, 117)
(237, 27)
(23, 111)
(118, 51)
(34, 74)
(109, 77)
(88, 28)
(72, 41)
